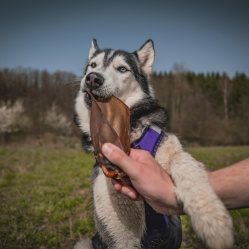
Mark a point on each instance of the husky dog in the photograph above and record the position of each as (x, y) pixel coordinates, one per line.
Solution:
(120, 222)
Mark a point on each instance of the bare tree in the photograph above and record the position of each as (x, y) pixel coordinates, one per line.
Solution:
(226, 86)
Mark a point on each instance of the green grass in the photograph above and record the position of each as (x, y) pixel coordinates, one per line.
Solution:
(45, 197)
(218, 157)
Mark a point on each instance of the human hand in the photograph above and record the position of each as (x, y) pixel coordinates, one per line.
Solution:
(149, 180)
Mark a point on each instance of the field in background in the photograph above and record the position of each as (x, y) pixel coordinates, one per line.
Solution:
(45, 198)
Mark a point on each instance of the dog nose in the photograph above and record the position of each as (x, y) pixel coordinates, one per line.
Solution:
(94, 80)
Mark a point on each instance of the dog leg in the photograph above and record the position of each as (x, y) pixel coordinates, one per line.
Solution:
(208, 216)
(120, 222)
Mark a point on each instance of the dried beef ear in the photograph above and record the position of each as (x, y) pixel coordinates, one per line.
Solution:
(110, 122)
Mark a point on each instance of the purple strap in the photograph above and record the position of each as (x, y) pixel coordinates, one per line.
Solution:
(157, 225)
(150, 140)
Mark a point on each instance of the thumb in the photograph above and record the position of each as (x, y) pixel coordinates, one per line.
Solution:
(118, 157)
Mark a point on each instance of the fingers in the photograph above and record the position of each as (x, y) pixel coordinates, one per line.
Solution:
(127, 191)
(117, 185)
(118, 157)
(130, 193)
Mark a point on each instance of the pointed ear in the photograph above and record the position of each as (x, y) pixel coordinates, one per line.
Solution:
(146, 56)
(93, 49)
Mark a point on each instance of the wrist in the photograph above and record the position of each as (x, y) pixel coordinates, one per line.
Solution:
(166, 201)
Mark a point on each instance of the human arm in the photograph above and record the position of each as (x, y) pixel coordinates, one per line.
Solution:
(150, 181)
(231, 184)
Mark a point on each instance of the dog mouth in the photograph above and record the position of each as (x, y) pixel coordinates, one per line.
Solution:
(88, 98)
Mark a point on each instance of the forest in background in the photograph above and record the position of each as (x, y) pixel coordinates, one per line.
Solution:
(203, 109)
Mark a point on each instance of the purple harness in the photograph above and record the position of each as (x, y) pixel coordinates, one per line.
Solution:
(157, 225)
(150, 140)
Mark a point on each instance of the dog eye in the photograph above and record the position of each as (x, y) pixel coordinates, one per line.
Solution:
(122, 69)
(93, 65)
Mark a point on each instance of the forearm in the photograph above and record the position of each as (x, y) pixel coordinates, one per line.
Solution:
(231, 184)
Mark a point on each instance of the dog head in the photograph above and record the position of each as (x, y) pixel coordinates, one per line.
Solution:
(114, 72)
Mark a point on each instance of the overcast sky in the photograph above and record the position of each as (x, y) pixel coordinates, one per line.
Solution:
(203, 36)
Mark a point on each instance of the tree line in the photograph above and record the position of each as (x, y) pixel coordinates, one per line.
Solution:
(203, 109)
(33, 102)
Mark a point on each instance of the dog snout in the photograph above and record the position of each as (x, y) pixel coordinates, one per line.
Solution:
(94, 80)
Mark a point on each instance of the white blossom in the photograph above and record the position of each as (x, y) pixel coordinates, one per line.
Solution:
(58, 121)
(12, 117)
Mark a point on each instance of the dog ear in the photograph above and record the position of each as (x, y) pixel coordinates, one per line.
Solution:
(93, 49)
(146, 55)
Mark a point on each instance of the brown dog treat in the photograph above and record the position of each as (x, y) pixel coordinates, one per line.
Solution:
(110, 122)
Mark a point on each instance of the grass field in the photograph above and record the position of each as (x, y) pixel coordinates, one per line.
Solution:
(45, 198)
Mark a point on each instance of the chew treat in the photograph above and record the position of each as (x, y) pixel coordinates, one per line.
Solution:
(110, 122)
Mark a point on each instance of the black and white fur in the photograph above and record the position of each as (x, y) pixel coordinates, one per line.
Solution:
(126, 75)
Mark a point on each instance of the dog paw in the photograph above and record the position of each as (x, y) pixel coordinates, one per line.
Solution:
(214, 226)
